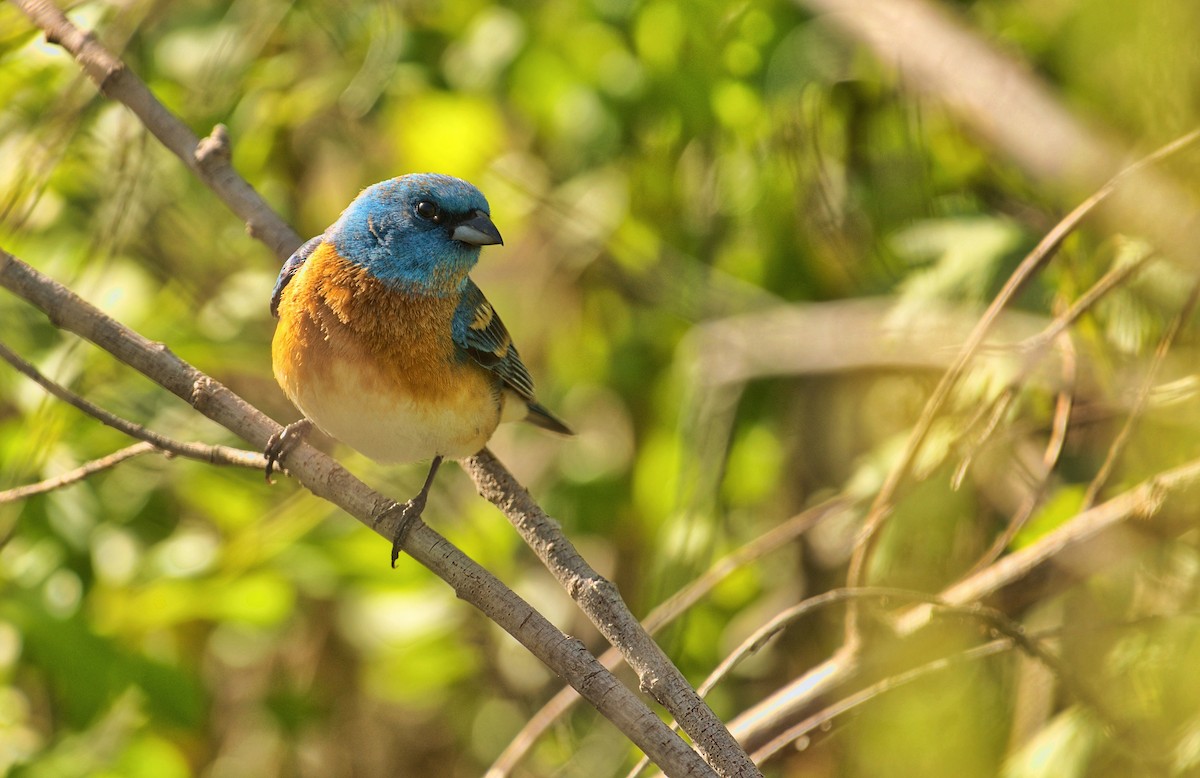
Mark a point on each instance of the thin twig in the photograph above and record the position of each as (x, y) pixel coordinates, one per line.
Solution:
(1069, 543)
(1142, 501)
(1143, 397)
(78, 474)
(995, 411)
(796, 733)
(1013, 633)
(763, 635)
(1014, 636)
(1064, 405)
(998, 621)
(213, 454)
(1045, 249)
(1108, 282)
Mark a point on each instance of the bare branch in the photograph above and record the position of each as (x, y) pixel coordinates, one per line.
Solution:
(1033, 262)
(600, 601)
(213, 454)
(1108, 282)
(326, 479)
(78, 474)
(990, 616)
(666, 613)
(1014, 636)
(1143, 397)
(1064, 404)
(998, 99)
(1074, 545)
(208, 159)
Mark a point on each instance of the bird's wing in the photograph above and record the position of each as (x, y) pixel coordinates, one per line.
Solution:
(478, 331)
(289, 269)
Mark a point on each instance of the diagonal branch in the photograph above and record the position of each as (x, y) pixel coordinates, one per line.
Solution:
(1076, 546)
(1143, 397)
(666, 613)
(326, 479)
(1032, 263)
(998, 99)
(995, 619)
(598, 598)
(78, 474)
(209, 160)
(213, 454)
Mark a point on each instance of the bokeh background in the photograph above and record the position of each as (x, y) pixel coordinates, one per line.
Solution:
(717, 218)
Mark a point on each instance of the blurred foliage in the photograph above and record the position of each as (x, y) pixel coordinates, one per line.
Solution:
(653, 165)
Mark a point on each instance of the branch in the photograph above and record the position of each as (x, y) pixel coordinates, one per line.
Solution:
(598, 598)
(1115, 277)
(998, 621)
(1064, 406)
(1075, 546)
(78, 474)
(208, 159)
(997, 98)
(1013, 636)
(1142, 399)
(1034, 261)
(216, 455)
(210, 162)
(823, 717)
(326, 479)
(665, 614)
(1083, 533)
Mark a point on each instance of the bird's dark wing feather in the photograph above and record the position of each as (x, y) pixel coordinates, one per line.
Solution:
(478, 331)
(289, 269)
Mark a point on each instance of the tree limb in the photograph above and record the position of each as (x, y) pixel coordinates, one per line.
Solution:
(666, 613)
(78, 474)
(325, 478)
(598, 598)
(213, 454)
(998, 99)
(1074, 546)
(1032, 263)
(209, 160)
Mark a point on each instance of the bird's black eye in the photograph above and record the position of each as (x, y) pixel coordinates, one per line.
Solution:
(428, 210)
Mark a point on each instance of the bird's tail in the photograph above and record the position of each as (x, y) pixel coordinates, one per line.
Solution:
(539, 416)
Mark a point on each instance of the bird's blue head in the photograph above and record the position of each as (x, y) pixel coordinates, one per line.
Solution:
(420, 232)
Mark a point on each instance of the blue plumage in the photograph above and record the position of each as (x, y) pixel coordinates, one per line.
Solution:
(383, 232)
(383, 340)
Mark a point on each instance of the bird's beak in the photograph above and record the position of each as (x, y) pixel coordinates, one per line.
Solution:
(478, 230)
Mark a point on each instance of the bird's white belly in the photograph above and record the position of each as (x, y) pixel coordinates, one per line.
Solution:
(393, 427)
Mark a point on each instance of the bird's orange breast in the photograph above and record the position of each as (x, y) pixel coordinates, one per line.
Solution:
(376, 367)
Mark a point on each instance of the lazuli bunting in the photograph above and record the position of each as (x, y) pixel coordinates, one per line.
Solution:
(386, 344)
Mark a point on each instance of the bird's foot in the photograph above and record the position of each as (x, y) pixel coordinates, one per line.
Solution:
(405, 515)
(410, 512)
(282, 442)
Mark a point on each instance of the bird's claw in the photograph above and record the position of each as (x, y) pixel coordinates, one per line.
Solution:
(282, 442)
(409, 513)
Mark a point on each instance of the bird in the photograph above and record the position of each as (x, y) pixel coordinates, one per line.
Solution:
(386, 344)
